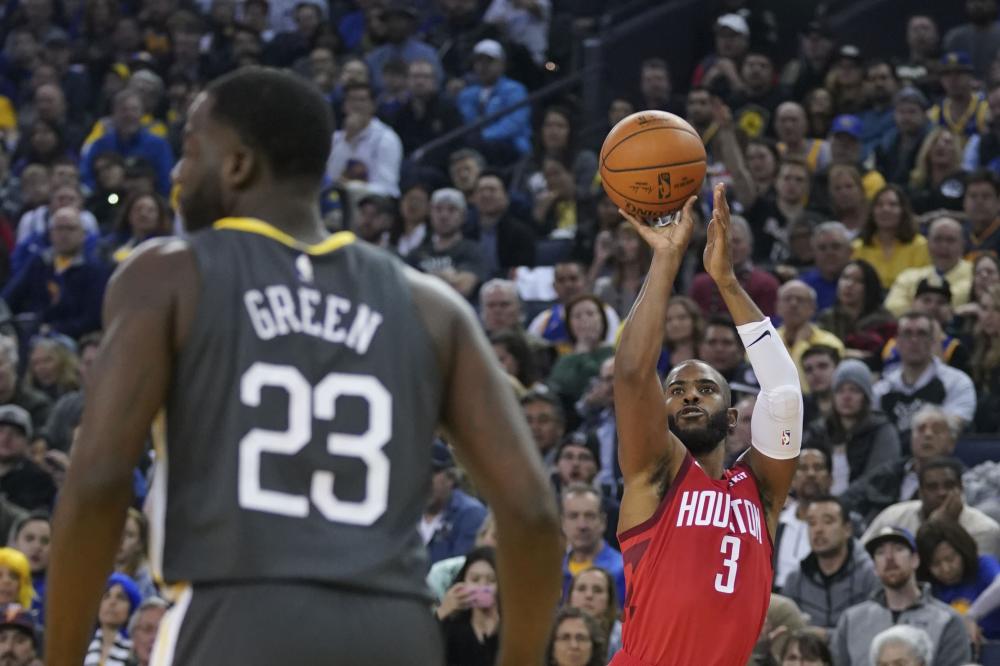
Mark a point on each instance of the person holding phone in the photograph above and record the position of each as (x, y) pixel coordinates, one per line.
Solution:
(469, 612)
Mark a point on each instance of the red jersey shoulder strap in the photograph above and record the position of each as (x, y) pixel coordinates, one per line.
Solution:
(664, 502)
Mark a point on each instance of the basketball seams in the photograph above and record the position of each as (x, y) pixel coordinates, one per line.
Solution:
(604, 156)
(652, 166)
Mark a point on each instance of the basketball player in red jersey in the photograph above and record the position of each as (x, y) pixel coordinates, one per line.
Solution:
(696, 538)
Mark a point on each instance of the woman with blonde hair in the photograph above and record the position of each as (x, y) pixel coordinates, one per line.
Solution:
(131, 557)
(889, 239)
(53, 366)
(16, 586)
(936, 181)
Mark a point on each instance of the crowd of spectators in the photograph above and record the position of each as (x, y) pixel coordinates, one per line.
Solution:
(866, 192)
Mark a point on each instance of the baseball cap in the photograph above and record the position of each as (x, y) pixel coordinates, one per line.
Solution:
(490, 48)
(956, 61)
(585, 440)
(14, 615)
(17, 417)
(846, 124)
(733, 22)
(890, 533)
(849, 51)
(934, 285)
(441, 457)
(911, 95)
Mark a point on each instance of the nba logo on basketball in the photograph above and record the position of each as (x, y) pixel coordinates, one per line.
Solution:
(786, 437)
(663, 185)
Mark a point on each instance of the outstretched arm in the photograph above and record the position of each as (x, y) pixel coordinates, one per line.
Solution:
(644, 439)
(776, 426)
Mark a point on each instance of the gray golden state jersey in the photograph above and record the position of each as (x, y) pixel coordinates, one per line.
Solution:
(300, 418)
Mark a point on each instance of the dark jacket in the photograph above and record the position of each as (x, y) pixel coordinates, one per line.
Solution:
(28, 486)
(877, 489)
(462, 517)
(873, 442)
(69, 301)
(824, 597)
(515, 242)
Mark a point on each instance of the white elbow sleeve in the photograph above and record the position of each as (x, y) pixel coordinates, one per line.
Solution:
(776, 426)
(772, 364)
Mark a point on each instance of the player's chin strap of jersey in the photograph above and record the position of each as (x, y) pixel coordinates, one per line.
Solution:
(776, 426)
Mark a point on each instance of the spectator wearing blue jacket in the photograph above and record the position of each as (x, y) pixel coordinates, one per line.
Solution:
(508, 138)
(130, 139)
(452, 517)
(61, 286)
(583, 523)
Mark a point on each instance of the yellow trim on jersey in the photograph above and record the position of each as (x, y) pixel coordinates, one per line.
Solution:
(168, 633)
(251, 225)
(156, 499)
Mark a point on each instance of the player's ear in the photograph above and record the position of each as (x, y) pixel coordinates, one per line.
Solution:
(733, 417)
(239, 166)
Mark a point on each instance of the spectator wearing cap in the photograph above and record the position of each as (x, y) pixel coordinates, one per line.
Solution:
(578, 461)
(721, 69)
(130, 139)
(857, 435)
(400, 17)
(939, 497)
(365, 149)
(923, 42)
(922, 378)
(452, 517)
(524, 22)
(808, 71)
(963, 110)
(901, 600)
(62, 287)
(876, 116)
(846, 80)
(375, 218)
(583, 524)
(837, 573)
(933, 297)
(844, 146)
(111, 645)
(22, 481)
(447, 254)
(982, 150)
(946, 244)
(426, 114)
(18, 636)
(896, 152)
(509, 137)
(979, 38)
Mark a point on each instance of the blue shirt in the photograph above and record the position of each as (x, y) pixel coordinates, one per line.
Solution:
(961, 596)
(826, 290)
(149, 147)
(462, 518)
(514, 127)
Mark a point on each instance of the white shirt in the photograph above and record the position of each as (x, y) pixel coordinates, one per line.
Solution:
(377, 147)
(428, 528)
(522, 26)
(794, 544)
(36, 220)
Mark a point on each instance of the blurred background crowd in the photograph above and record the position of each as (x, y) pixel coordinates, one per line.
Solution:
(860, 142)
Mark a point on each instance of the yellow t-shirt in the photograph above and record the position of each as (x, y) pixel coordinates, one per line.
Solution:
(904, 255)
(576, 567)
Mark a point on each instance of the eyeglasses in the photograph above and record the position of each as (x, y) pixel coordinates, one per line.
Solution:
(573, 638)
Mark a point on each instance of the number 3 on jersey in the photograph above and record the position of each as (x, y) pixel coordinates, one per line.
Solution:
(305, 403)
(725, 582)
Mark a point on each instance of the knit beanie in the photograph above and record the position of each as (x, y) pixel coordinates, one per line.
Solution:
(856, 372)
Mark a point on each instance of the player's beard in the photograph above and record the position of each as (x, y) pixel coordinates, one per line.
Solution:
(702, 439)
(201, 205)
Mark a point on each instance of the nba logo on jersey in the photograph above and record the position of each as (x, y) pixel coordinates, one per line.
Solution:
(786, 437)
(304, 268)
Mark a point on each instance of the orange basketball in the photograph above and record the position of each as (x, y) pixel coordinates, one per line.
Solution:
(651, 163)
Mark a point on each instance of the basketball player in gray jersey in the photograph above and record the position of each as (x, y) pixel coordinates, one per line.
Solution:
(302, 377)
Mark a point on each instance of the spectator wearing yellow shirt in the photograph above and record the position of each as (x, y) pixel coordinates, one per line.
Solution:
(797, 307)
(889, 240)
(946, 243)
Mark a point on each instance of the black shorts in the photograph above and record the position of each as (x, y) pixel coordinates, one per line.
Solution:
(277, 623)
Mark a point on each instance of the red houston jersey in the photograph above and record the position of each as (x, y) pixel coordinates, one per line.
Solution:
(698, 573)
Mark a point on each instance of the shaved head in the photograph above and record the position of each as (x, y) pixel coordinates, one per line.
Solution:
(708, 371)
(698, 403)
